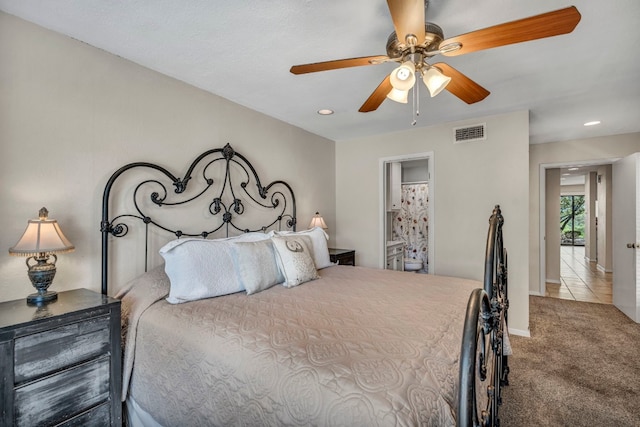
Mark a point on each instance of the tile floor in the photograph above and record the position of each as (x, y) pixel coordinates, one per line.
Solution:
(581, 280)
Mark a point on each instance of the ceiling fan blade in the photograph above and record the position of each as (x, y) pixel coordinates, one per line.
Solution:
(338, 63)
(462, 86)
(548, 24)
(408, 18)
(375, 99)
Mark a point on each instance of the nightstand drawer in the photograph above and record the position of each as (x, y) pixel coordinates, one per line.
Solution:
(46, 352)
(56, 398)
(99, 416)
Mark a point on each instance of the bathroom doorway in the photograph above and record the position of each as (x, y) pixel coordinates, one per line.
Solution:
(407, 212)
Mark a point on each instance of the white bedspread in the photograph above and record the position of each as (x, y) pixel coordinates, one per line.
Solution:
(358, 347)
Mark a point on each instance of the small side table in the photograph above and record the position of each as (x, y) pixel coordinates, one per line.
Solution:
(343, 256)
(61, 361)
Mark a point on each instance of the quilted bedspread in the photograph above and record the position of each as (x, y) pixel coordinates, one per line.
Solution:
(357, 347)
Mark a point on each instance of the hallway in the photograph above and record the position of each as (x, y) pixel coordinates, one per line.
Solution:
(581, 280)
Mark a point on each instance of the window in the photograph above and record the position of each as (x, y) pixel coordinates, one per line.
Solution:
(572, 220)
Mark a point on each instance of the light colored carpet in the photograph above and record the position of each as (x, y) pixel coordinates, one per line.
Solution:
(581, 367)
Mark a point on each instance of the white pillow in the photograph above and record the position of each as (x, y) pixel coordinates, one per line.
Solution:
(256, 265)
(319, 243)
(199, 268)
(253, 236)
(295, 259)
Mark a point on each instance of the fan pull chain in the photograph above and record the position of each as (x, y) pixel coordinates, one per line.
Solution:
(416, 104)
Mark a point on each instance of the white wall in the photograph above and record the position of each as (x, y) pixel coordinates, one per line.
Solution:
(567, 152)
(605, 224)
(415, 171)
(572, 190)
(71, 114)
(552, 225)
(468, 180)
(591, 196)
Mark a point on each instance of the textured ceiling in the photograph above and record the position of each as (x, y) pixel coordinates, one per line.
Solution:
(242, 51)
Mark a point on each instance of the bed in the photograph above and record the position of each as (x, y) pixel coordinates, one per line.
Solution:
(253, 325)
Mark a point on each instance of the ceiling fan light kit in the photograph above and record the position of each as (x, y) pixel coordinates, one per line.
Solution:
(398, 95)
(404, 77)
(435, 81)
(415, 41)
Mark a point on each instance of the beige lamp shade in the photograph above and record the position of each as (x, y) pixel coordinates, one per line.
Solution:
(318, 221)
(400, 96)
(435, 81)
(404, 77)
(42, 236)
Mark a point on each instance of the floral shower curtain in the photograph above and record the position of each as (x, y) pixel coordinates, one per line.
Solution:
(411, 223)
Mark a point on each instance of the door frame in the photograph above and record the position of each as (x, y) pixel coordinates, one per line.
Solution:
(382, 208)
(542, 253)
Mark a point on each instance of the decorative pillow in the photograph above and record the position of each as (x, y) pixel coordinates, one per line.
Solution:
(199, 268)
(256, 265)
(318, 242)
(295, 259)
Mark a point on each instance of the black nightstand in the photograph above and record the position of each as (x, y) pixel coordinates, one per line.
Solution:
(343, 256)
(61, 361)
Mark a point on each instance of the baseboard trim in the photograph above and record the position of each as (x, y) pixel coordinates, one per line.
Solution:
(520, 332)
(555, 282)
(604, 270)
(536, 293)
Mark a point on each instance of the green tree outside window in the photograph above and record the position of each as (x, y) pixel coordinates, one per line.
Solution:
(572, 213)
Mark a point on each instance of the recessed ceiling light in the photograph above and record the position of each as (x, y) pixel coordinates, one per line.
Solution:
(566, 174)
(325, 112)
(573, 169)
(593, 123)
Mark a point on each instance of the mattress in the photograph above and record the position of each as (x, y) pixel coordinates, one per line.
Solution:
(357, 347)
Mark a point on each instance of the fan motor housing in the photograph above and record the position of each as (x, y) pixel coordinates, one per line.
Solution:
(433, 37)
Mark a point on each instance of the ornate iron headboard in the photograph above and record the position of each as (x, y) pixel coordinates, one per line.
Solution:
(226, 204)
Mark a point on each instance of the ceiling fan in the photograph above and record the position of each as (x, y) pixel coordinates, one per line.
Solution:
(415, 41)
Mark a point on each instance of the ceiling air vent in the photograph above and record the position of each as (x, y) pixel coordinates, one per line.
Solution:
(469, 133)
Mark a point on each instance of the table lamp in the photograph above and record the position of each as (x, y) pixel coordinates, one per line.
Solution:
(42, 239)
(318, 221)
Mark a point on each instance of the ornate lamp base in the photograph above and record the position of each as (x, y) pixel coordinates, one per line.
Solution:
(41, 275)
(42, 298)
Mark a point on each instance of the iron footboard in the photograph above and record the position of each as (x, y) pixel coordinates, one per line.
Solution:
(483, 365)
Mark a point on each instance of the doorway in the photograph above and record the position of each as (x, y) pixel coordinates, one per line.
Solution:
(570, 243)
(595, 180)
(579, 277)
(406, 213)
